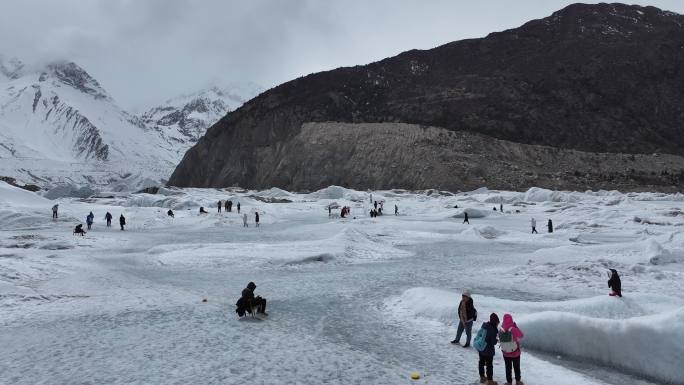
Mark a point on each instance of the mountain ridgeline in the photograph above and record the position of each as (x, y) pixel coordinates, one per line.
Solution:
(589, 97)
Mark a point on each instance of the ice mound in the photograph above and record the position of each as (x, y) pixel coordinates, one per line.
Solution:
(131, 183)
(536, 194)
(486, 232)
(349, 246)
(658, 255)
(472, 213)
(338, 192)
(274, 192)
(69, 191)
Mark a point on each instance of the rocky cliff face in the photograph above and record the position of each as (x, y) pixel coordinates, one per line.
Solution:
(547, 100)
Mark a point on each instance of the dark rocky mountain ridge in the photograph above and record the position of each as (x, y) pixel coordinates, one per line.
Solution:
(600, 78)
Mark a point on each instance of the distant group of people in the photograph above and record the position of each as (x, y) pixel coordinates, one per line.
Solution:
(90, 220)
(533, 223)
(228, 204)
(508, 336)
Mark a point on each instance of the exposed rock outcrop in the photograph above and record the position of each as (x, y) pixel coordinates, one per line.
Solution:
(558, 103)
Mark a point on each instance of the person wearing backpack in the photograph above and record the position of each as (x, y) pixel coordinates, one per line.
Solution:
(466, 316)
(509, 341)
(484, 343)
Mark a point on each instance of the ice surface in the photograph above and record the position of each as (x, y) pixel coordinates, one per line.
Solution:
(353, 300)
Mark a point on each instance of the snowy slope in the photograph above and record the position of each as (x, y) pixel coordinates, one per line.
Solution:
(185, 119)
(59, 125)
(60, 117)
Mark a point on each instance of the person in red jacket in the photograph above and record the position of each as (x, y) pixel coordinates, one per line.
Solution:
(509, 341)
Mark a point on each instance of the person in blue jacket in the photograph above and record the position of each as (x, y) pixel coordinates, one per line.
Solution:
(487, 355)
(89, 219)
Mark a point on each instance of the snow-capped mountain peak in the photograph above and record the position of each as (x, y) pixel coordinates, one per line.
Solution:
(69, 73)
(58, 124)
(186, 118)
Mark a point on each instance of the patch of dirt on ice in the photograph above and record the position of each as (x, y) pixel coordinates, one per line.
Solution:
(322, 258)
(56, 246)
(10, 300)
(25, 237)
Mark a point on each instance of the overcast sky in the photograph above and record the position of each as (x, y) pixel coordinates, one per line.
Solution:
(144, 51)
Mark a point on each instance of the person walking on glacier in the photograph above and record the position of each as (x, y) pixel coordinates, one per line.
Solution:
(219, 207)
(108, 218)
(54, 211)
(615, 284)
(244, 220)
(533, 222)
(122, 222)
(89, 220)
(509, 342)
(467, 314)
(485, 343)
(238, 207)
(256, 218)
(465, 217)
(550, 226)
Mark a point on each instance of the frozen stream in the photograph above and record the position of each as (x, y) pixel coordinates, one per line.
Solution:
(126, 307)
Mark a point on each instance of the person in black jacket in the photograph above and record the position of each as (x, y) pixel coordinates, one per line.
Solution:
(248, 300)
(465, 217)
(122, 222)
(108, 218)
(550, 226)
(615, 284)
(466, 316)
(487, 355)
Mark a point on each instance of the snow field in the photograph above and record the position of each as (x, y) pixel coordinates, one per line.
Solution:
(354, 300)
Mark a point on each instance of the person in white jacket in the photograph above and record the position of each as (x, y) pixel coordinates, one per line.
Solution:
(533, 222)
(244, 221)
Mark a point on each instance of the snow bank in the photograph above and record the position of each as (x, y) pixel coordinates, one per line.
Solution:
(640, 333)
(650, 346)
(15, 196)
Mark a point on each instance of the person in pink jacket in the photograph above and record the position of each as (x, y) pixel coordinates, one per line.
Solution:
(509, 341)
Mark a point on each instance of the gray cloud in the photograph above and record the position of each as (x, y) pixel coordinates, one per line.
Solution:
(145, 51)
